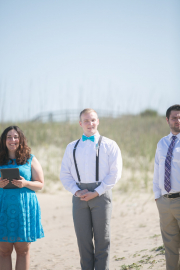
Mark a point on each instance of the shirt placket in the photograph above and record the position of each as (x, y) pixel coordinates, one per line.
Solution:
(87, 152)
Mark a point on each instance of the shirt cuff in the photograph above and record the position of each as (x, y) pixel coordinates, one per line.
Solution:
(157, 195)
(100, 190)
(73, 191)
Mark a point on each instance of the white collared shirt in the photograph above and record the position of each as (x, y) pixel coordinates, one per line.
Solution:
(110, 164)
(159, 166)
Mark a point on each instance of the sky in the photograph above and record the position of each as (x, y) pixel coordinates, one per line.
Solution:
(116, 55)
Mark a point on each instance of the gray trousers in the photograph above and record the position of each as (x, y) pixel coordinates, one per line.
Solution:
(169, 213)
(92, 220)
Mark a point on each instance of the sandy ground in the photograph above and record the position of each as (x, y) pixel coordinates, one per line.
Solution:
(134, 233)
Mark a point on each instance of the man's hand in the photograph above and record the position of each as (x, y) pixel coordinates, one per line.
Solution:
(3, 182)
(89, 196)
(80, 193)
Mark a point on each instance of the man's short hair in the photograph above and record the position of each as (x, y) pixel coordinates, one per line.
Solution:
(88, 110)
(172, 108)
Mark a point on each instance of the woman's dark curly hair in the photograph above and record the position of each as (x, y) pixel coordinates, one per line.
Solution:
(22, 153)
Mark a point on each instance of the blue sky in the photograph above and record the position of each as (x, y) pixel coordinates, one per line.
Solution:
(114, 55)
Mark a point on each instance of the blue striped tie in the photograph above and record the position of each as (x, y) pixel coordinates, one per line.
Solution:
(167, 182)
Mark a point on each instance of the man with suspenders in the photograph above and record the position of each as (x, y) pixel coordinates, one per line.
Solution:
(90, 168)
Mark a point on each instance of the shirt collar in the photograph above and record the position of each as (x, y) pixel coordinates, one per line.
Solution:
(96, 136)
(170, 136)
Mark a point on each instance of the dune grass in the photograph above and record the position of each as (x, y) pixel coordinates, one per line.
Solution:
(137, 137)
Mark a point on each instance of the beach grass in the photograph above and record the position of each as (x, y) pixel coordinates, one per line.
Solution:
(136, 135)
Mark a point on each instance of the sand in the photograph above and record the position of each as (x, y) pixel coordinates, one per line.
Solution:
(134, 233)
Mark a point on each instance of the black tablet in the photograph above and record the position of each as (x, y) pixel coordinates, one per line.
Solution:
(10, 174)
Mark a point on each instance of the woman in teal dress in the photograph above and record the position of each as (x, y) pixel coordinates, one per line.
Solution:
(20, 214)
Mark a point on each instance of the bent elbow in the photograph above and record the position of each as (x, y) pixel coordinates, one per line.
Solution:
(40, 186)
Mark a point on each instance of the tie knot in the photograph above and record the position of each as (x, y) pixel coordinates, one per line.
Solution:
(85, 138)
(174, 138)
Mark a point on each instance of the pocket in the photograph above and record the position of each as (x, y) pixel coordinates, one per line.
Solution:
(176, 155)
(108, 196)
(158, 200)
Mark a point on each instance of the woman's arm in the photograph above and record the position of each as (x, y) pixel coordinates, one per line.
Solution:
(37, 181)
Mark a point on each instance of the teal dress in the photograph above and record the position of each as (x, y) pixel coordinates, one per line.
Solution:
(20, 214)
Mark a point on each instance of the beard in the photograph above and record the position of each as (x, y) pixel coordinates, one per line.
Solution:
(175, 129)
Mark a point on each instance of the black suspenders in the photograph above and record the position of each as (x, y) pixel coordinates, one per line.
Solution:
(74, 150)
(97, 159)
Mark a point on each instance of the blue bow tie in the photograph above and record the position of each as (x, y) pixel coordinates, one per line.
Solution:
(84, 138)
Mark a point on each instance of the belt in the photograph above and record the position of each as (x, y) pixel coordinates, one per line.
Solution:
(172, 195)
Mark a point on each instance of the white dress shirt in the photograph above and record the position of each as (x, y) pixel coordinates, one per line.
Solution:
(110, 164)
(159, 166)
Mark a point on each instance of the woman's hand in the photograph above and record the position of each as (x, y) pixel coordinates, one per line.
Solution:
(20, 183)
(3, 182)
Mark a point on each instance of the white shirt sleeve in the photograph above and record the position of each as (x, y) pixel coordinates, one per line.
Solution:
(65, 175)
(156, 188)
(115, 170)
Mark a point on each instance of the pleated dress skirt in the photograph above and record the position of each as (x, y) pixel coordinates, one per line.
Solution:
(20, 213)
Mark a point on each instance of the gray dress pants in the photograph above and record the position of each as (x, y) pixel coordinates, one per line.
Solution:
(92, 220)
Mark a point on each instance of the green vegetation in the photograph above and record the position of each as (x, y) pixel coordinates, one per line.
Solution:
(145, 259)
(137, 137)
(131, 266)
(149, 112)
(155, 236)
(119, 259)
(160, 250)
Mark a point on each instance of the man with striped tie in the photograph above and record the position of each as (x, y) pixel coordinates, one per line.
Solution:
(166, 186)
(90, 168)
